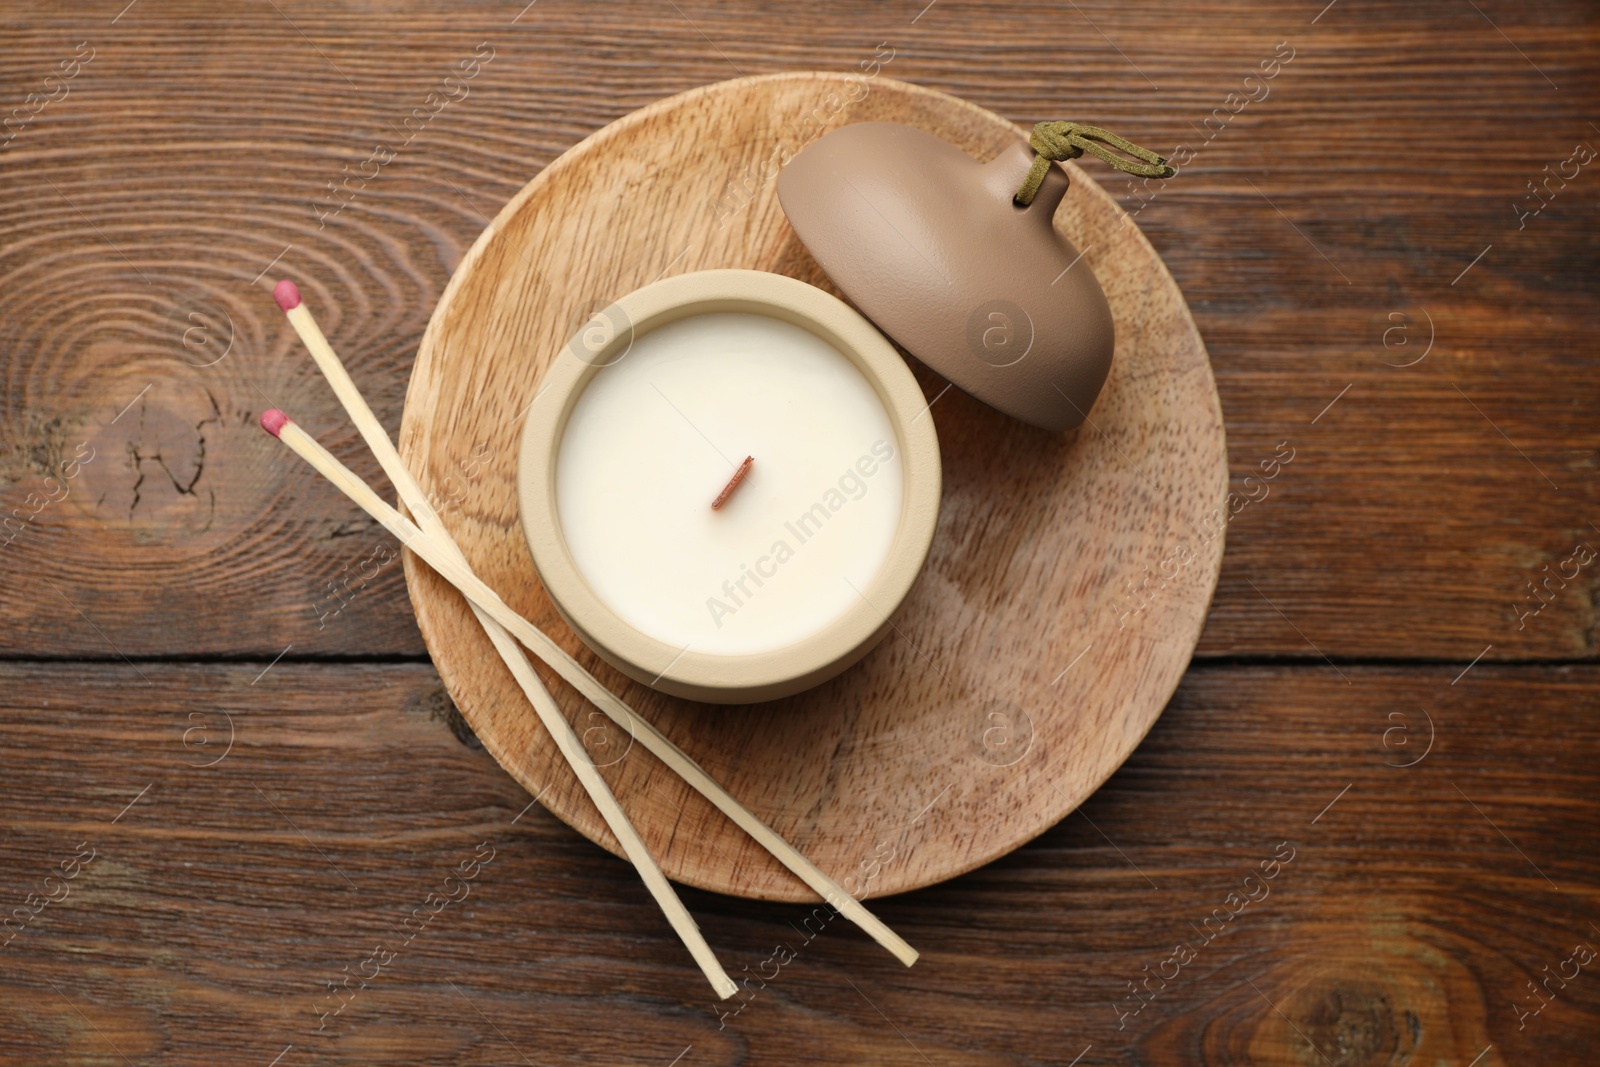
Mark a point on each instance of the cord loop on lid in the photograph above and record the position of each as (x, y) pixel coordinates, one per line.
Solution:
(1054, 141)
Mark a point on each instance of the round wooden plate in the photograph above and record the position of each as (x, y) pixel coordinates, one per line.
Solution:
(1069, 577)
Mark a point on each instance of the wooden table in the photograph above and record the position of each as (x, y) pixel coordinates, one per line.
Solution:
(220, 719)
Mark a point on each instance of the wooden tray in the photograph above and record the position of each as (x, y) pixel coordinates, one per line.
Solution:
(1067, 584)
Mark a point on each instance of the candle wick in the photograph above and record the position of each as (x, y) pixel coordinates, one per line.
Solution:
(733, 483)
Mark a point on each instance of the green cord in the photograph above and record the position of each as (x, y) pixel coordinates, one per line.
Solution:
(1053, 141)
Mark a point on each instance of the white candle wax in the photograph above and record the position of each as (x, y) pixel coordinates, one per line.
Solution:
(656, 435)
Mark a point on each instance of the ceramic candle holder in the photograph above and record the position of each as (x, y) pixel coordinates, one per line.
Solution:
(638, 451)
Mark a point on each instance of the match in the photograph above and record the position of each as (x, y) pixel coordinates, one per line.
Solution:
(300, 317)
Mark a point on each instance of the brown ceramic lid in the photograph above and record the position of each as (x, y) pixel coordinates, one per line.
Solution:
(930, 245)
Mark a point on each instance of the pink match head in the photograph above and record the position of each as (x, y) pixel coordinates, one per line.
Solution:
(287, 294)
(273, 420)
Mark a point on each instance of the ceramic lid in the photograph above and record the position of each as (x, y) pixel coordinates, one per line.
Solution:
(930, 245)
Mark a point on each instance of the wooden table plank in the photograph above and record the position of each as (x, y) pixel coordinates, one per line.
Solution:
(1414, 905)
(189, 155)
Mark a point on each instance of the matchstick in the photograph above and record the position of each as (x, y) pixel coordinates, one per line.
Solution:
(553, 655)
(493, 608)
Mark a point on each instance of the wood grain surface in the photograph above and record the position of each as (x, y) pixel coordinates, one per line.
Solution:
(983, 707)
(1416, 904)
(1357, 240)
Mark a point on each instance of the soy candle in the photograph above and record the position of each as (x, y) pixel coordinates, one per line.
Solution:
(653, 440)
(640, 426)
